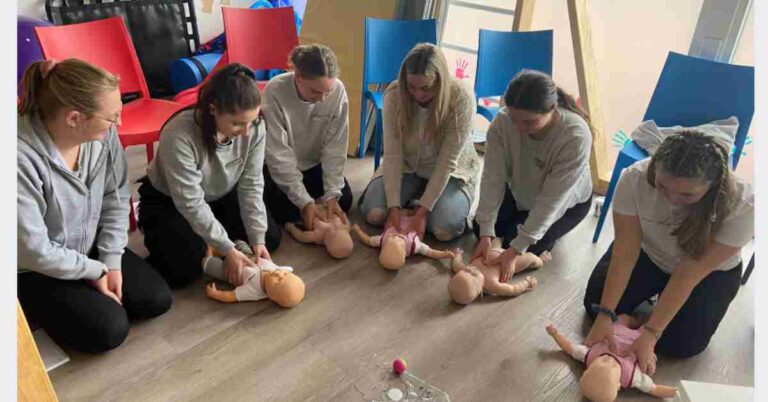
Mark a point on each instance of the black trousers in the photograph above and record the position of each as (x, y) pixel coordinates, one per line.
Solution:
(689, 332)
(509, 217)
(78, 317)
(175, 250)
(283, 210)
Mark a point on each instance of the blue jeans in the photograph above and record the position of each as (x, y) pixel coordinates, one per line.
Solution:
(446, 221)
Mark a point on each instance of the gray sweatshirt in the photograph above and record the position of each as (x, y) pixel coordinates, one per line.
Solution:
(63, 215)
(184, 171)
(301, 135)
(546, 176)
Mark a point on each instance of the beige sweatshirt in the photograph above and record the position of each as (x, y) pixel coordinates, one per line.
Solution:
(302, 135)
(546, 176)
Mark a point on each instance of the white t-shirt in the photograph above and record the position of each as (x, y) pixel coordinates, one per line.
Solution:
(658, 218)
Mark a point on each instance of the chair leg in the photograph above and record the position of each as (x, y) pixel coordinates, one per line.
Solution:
(361, 149)
(748, 272)
(131, 217)
(377, 133)
(621, 163)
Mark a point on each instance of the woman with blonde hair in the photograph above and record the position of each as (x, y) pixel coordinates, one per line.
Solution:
(75, 275)
(428, 156)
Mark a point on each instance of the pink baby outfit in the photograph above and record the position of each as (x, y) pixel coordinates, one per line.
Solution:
(410, 240)
(623, 337)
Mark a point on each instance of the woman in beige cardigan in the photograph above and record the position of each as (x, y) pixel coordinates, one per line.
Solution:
(428, 157)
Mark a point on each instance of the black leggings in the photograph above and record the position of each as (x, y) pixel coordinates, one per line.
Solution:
(175, 250)
(283, 209)
(689, 332)
(509, 217)
(78, 317)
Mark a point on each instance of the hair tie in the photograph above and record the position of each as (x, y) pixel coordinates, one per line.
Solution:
(47, 66)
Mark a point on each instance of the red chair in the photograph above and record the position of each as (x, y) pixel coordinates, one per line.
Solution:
(261, 39)
(106, 43)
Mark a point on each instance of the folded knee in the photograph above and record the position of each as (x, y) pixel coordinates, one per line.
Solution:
(376, 216)
(446, 234)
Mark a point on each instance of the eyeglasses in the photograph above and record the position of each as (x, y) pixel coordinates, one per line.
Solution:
(114, 123)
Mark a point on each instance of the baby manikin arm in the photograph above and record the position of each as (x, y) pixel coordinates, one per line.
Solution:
(508, 289)
(644, 383)
(302, 236)
(370, 241)
(578, 352)
(425, 250)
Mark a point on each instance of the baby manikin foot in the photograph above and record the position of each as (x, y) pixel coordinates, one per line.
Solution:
(532, 282)
(545, 256)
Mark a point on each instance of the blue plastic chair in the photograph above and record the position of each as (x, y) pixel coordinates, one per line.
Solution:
(501, 55)
(690, 92)
(387, 42)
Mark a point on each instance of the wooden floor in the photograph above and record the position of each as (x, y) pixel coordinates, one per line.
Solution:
(338, 344)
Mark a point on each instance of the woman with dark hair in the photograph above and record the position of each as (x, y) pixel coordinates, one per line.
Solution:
(536, 184)
(680, 220)
(76, 277)
(204, 188)
(307, 115)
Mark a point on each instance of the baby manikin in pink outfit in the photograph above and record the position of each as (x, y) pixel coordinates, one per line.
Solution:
(608, 372)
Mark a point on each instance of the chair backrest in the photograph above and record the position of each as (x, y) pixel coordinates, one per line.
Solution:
(162, 31)
(387, 42)
(501, 55)
(260, 38)
(693, 91)
(104, 43)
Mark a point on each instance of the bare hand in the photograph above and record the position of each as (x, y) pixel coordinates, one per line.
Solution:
(482, 248)
(101, 286)
(261, 253)
(418, 223)
(115, 283)
(643, 348)
(234, 265)
(393, 219)
(308, 215)
(507, 262)
(602, 330)
(333, 208)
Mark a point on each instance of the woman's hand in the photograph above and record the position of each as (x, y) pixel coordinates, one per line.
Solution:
(643, 348)
(418, 223)
(482, 248)
(102, 287)
(507, 262)
(234, 264)
(115, 283)
(308, 215)
(333, 208)
(602, 330)
(393, 219)
(261, 253)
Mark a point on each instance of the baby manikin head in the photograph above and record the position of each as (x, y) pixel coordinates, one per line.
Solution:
(466, 285)
(392, 253)
(602, 380)
(338, 243)
(284, 288)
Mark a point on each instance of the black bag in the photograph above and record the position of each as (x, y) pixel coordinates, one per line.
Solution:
(162, 30)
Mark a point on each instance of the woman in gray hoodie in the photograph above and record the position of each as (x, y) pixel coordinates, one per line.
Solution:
(205, 187)
(76, 278)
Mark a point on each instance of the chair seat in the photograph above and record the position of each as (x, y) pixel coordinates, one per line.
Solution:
(142, 120)
(188, 97)
(377, 98)
(633, 151)
(489, 112)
